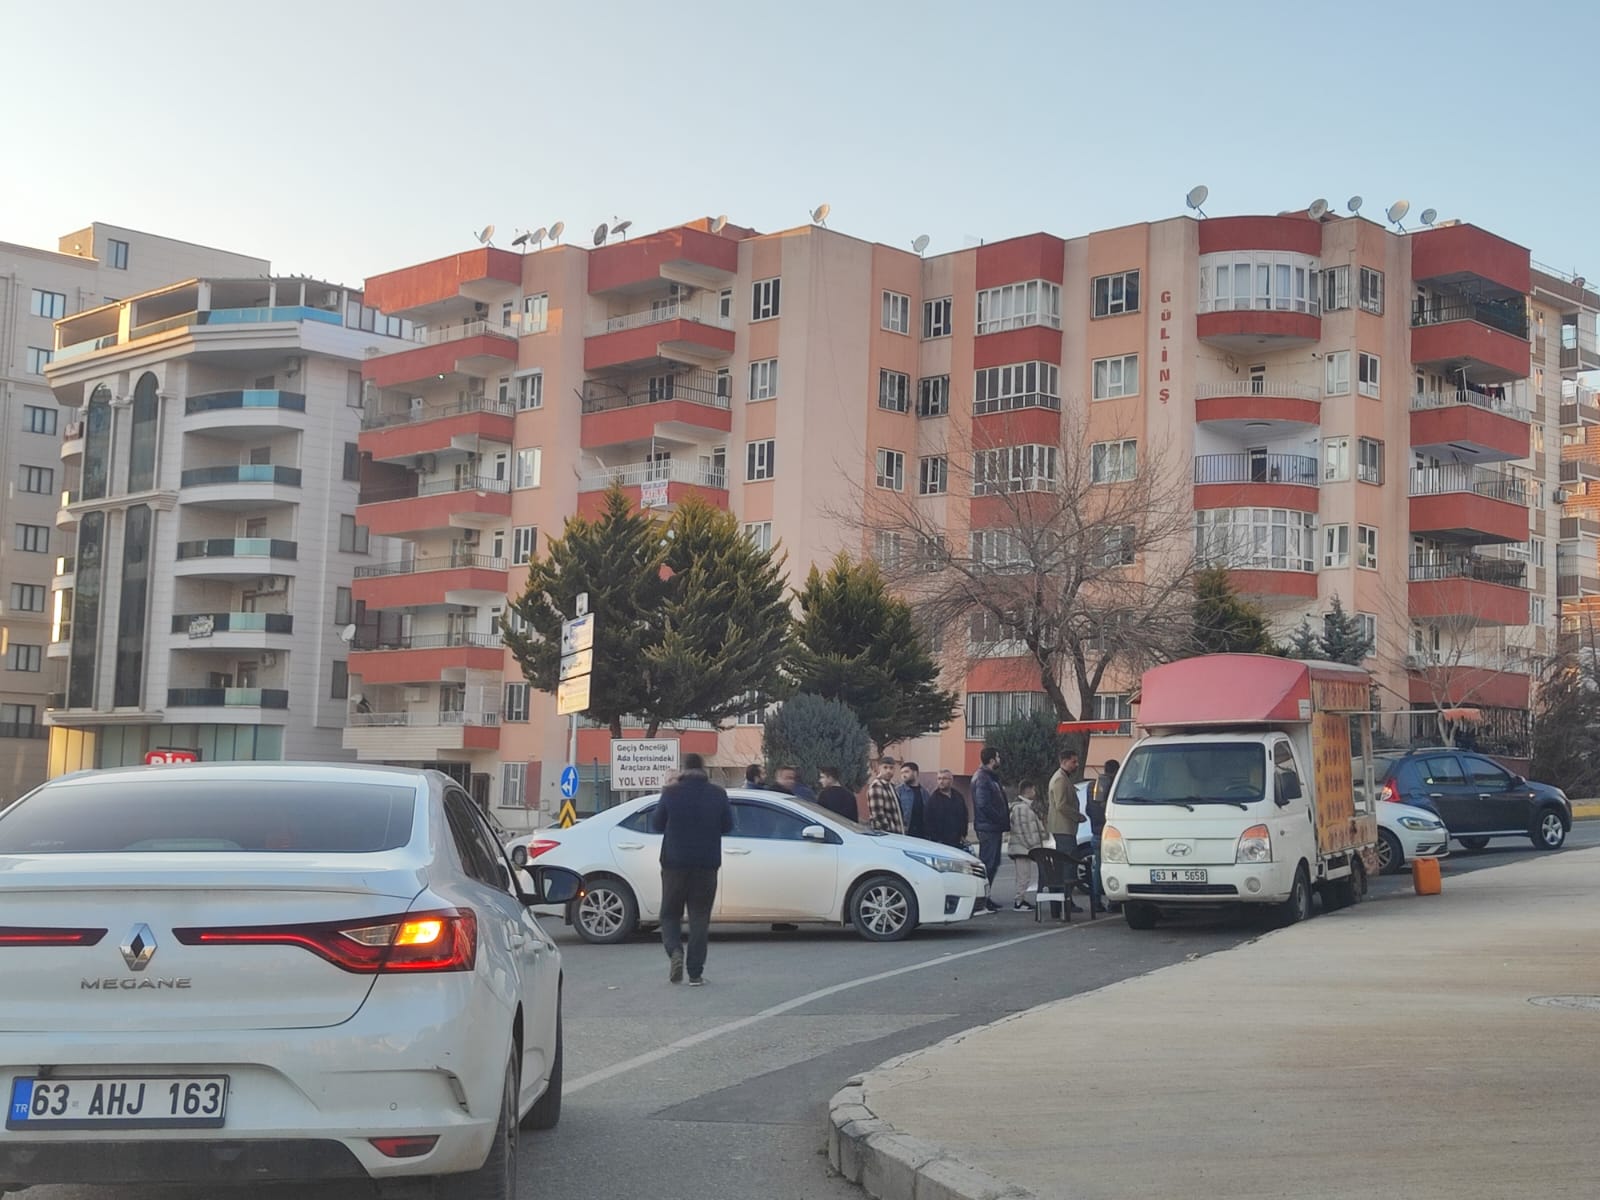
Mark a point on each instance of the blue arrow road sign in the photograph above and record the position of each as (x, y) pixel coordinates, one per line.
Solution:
(569, 782)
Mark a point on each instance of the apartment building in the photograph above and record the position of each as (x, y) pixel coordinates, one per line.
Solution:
(1353, 403)
(88, 268)
(203, 600)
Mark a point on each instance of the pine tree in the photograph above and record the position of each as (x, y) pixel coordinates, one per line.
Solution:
(1030, 749)
(809, 733)
(1304, 642)
(1224, 622)
(1566, 750)
(1341, 640)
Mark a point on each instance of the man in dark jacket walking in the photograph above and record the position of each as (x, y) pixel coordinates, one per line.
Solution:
(837, 798)
(944, 814)
(991, 817)
(692, 815)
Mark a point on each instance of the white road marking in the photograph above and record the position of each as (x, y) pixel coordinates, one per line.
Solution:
(777, 1010)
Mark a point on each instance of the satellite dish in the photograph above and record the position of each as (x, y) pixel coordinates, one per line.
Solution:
(486, 235)
(1397, 211)
(1197, 197)
(522, 239)
(600, 232)
(819, 214)
(347, 634)
(1429, 216)
(720, 223)
(1353, 204)
(921, 243)
(557, 230)
(539, 235)
(622, 227)
(1318, 210)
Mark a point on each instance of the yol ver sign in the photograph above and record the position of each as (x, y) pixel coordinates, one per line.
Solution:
(642, 764)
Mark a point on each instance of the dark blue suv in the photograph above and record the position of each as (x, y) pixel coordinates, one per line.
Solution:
(1475, 797)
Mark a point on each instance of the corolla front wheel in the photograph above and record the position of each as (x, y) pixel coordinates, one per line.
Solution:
(606, 913)
(883, 909)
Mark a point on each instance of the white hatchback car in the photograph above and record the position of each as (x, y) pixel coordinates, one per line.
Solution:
(1406, 832)
(249, 972)
(786, 860)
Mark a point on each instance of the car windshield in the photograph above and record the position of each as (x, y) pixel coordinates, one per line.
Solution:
(1189, 773)
(172, 815)
(829, 815)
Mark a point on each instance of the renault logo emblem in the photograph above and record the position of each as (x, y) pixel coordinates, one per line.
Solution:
(1176, 849)
(139, 949)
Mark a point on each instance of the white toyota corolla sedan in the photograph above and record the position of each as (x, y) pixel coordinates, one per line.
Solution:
(271, 971)
(786, 860)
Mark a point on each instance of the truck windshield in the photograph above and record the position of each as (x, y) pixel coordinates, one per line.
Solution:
(1189, 773)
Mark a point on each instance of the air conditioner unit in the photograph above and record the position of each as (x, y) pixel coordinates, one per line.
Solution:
(267, 584)
(1561, 495)
(426, 463)
(469, 537)
(1416, 662)
(480, 307)
(416, 695)
(269, 658)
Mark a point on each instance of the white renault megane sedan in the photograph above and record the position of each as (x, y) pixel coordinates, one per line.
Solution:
(786, 860)
(271, 971)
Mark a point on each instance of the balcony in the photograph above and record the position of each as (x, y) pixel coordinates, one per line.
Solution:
(692, 332)
(440, 504)
(235, 558)
(467, 579)
(682, 407)
(401, 435)
(422, 291)
(1579, 465)
(245, 410)
(1577, 528)
(424, 658)
(232, 630)
(419, 736)
(1469, 424)
(1464, 254)
(1579, 350)
(1270, 585)
(72, 439)
(1577, 586)
(66, 576)
(652, 485)
(239, 488)
(683, 255)
(1463, 503)
(66, 516)
(1469, 589)
(1256, 480)
(1580, 407)
(474, 349)
(208, 697)
(1260, 408)
(1487, 340)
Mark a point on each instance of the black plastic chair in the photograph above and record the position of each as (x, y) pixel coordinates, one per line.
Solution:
(1061, 874)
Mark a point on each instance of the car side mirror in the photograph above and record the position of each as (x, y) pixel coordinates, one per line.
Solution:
(814, 833)
(1288, 788)
(553, 885)
(1517, 781)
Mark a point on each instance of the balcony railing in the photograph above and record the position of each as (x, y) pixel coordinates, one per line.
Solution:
(1256, 468)
(418, 413)
(1571, 587)
(1507, 316)
(26, 731)
(697, 387)
(245, 398)
(1256, 387)
(1484, 570)
(436, 487)
(86, 347)
(1458, 478)
(238, 548)
(423, 641)
(1579, 470)
(443, 562)
(638, 474)
(660, 312)
(202, 625)
(1425, 401)
(248, 473)
(1573, 528)
(457, 333)
(1015, 401)
(227, 698)
(401, 720)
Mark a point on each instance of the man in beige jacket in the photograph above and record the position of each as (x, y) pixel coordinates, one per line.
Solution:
(1065, 816)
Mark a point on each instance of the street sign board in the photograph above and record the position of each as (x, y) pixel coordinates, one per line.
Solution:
(572, 695)
(170, 757)
(577, 634)
(580, 662)
(642, 764)
(569, 781)
(653, 494)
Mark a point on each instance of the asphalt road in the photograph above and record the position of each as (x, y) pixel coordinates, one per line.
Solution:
(719, 1093)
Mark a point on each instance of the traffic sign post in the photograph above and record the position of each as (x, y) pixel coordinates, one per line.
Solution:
(572, 692)
(569, 781)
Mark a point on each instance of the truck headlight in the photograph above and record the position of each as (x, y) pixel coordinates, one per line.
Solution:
(1112, 848)
(1255, 846)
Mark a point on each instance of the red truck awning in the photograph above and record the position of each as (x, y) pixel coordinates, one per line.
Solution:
(1246, 689)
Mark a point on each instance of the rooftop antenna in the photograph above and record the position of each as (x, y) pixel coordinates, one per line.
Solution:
(720, 223)
(1197, 197)
(622, 227)
(539, 235)
(486, 237)
(819, 214)
(522, 239)
(557, 230)
(1429, 216)
(1318, 209)
(600, 232)
(921, 243)
(1353, 204)
(1397, 212)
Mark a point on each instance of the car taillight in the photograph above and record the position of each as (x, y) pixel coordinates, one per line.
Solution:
(24, 935)
(1388, 793)
(541, 846)
(445, 940)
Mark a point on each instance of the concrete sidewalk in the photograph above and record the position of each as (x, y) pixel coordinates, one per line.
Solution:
(1425, 1047)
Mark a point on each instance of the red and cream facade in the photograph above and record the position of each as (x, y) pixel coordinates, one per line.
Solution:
(1354, 406)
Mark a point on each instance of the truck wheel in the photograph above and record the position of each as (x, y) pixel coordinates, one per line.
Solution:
(1390, 855)
(1141, 916)
(1297, 907)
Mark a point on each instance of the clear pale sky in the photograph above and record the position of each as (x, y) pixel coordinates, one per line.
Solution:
(342, 138)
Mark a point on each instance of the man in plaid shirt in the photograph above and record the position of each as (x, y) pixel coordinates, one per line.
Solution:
(883, 805)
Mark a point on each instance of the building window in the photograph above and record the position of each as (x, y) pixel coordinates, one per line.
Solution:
(1369, 462)
(507, 307)
(936, 321)
(1270, 280)
(764, 299)
(516, 705)
(896, 312)
(38, 359)
(24, 658)
(933, 475)
(1029, 468)
(339, 689)
(513, 785)
(894, 391)
(529, 461)
(1336, 288)
(41, 481)
(1367, 366)
(1336, 545)
(756, 714)
(1338, 373)
(1269, 539)
(536, 313)
(353, 538)
(933, 396)
(758, 460)
(354, 390)
(986, 710)
(759, 533)
(892, 470)
(1115, 706)
(1366, 546)
(1335, 459)
(51, 305)
(18, 720)
(1116, 294)
(993, 635)
(1536, 610)
(1019, 385)
(1114, 377)
(1536, 551)
(932, 553)
(524, 540)
(35, 539)
(764, 379)
(1372, 290)
(1367, 627)
(117, 258)
(998, 549)
(886, 548)
(530, 391)
(725, 304)
(1117, 547)
(343, 606)
(1113, 462)
(352, 463)
(1017, 305)
(36, 419)
(27, 597)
